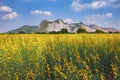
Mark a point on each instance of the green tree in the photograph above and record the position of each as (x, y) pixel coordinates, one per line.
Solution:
(21, 32)
(53, 32)
(81, 30)
(99, 31)
(110, 32)
(64, 31)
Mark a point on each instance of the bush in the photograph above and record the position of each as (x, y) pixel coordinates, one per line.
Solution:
(40, 33)
(99, 31)
(53, 32)
(21, 32)
(64, 31)
(81, 30)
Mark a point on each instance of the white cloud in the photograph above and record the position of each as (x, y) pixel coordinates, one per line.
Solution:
(10, 16)
(68, 20)
(39, 12)
(101, 16)
(97, 4)
(5, 8)
(100, 19)
(77, 5)
(109, 15)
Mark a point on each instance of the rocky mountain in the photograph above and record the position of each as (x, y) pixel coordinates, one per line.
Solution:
(57, 25)
(74, 27)
(94, 26)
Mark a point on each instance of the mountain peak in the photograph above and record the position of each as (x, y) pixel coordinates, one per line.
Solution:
(59, 21)
(44, 21)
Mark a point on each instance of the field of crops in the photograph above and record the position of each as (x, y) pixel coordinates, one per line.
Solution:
(60, 57)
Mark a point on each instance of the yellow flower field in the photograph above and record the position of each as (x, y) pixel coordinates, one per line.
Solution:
(60, 57)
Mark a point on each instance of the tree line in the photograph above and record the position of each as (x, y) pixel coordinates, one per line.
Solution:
(65, 31)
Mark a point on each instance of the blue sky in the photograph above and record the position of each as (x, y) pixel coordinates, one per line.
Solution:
(16, 13)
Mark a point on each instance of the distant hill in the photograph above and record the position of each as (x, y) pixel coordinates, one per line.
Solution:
(111, 30)
(26, 29)
(56, 26)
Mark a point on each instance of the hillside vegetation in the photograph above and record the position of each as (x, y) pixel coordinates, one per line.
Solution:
(60, 57)
(25, 29)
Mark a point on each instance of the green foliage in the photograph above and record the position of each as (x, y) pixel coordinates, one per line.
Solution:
(26, 29)
(99, 31)
(64, 31)
(40, 33)
(110, 32)
(21, 32)
(54, 32)
(81, 30)
(116, 32)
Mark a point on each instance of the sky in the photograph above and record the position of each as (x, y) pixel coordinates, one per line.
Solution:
(16, 13)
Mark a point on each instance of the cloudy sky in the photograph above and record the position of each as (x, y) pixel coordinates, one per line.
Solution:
(16, 13)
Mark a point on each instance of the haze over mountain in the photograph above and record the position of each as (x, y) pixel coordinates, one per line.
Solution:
(50, 26)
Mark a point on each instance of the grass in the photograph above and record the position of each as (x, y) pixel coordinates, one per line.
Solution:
(60, 57)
